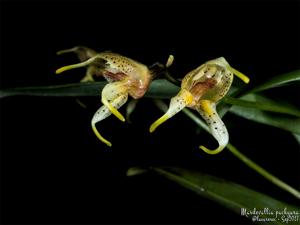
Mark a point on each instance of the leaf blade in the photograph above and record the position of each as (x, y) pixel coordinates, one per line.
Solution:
(262, 103)
(278, 81)
(231, 195)
(158, 89)
(66, 90)
(282, 122)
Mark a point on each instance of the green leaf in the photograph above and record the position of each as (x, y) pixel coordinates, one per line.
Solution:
(66, 90)
(284, 122)
(158, 89)
(297, 137)
(262, 103)
(278, 81)
(135, 171)
(231, 195)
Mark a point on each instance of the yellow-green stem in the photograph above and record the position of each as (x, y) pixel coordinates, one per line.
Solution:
(263, 172)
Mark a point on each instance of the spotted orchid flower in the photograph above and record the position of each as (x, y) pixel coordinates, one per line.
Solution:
(201, 89)
(124, 75)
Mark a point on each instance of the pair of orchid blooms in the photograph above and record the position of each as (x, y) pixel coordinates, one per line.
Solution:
(200, 90)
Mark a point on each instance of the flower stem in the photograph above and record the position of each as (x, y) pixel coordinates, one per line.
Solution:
(263, 172)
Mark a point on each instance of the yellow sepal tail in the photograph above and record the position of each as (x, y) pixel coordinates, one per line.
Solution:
(78, 65)
(99, 136)
(240, 75)
(212, 152)
(158, 122)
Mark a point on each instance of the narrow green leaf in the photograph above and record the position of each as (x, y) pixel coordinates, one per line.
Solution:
(279, 121)
(233, 196)
(159, 89)
(278, 81)
(285, 122)
(67, 90)
(133, 171)
(297, 137)
(262, 103)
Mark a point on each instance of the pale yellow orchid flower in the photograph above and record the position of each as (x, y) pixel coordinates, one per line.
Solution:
(201, 89)
(125, 77)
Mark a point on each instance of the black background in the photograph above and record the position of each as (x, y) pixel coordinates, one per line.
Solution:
(54, 170)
